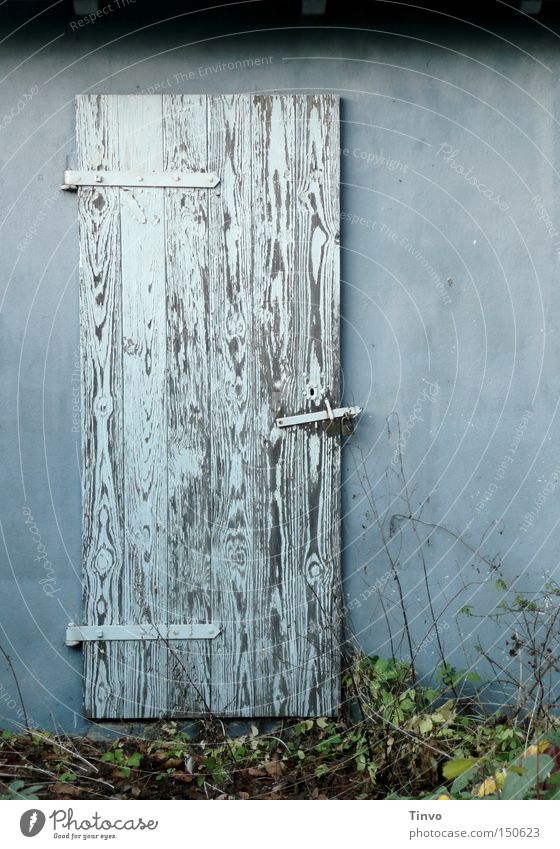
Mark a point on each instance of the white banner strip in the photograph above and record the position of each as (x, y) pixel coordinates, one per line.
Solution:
(269, 825)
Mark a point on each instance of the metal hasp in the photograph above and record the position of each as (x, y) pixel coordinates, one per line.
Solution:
(76, 634)
(322, 415)
(151, 179)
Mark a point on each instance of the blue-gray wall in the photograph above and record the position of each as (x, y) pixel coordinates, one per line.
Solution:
(450, 311)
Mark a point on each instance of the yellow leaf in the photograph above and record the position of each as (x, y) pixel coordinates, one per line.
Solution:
(537, 749)
(500, 778)
(443, 797)
(425, 725)
(487, 787)
(454, 768)
(446, 710)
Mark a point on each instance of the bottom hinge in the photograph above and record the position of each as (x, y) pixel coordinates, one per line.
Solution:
(76, 634)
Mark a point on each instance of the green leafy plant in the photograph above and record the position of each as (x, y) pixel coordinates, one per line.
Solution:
(19, 790)
(397, 738)
(67, 776)
(123, 762)
(534, 774)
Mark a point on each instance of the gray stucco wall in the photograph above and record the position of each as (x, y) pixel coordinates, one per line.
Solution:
(450, 310)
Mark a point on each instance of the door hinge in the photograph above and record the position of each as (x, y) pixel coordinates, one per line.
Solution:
(328, 414)
(148, 179)
(76, 634)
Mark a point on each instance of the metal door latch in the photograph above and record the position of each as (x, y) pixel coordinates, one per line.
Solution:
(328, 414)
(76, 634)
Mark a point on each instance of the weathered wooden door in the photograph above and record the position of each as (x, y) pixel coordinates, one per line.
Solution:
(206, 313)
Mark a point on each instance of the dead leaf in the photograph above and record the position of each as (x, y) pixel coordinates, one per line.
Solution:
(170, 763)
(62, 789)
(274, 768)
(184, 777)
(255, 772)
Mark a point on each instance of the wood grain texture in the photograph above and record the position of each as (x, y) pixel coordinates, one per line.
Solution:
(102, 413)
(232, 403)
(145, 414)
(125, 679)
(315, 474)
(296, 303)
(276, 391)
(188, 404)
(205, 315)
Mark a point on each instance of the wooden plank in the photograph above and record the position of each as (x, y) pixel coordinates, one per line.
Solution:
(101, 365)
(296, 305)
(231, 402)
(315, 473)
(144, 672)
(188, 404)
(275, 602)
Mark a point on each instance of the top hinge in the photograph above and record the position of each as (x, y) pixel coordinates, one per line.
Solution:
(148, 179)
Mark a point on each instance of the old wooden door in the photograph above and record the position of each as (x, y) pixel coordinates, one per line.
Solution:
(206, 313)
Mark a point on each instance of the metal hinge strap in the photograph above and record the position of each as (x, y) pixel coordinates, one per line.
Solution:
(90, 633)
(149, 179)
(320, 416)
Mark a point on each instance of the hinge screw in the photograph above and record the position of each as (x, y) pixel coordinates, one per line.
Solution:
(98, 178)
